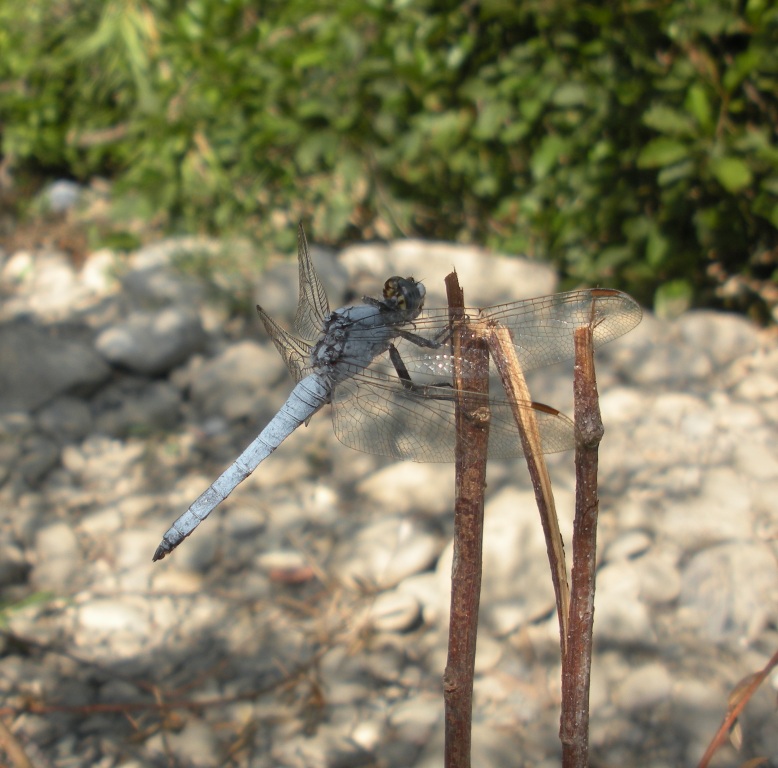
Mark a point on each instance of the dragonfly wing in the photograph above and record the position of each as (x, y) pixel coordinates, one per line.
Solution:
(543, 328)
(374, 412)
(312, 304)
(295, 352)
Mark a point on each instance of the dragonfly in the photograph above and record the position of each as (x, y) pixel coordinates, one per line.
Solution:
(386, 367)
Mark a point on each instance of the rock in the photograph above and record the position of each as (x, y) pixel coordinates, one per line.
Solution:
(98, 272)
(152, 342)
(619, 616)
(385, 553)
(195, 743)
(156, 285)
(718, 514)
(39, 364)
(413, 720)
(758, 386)
(136, 406)
(45, 285)
(729, 591)
(276, 289)
(14, 428)
(235, 383)
(407, 487)
(723, 337)
(659, 575)
(394, 612)
(488, 653)
(58, 558)
(39, 455)
(286, 567)
(67, 419)
(628, 545)
(62, 195)
(655, 355)
(13, 566)
(425, 589)
(644, 688)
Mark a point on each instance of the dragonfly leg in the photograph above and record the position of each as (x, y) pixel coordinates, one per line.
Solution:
(400, 367)
(437, 341)
(407, 381)
(440, 338)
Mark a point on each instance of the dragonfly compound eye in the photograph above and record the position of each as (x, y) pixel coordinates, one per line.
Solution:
(393, 290)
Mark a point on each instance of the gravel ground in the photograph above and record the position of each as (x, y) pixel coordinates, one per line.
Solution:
(304, 624)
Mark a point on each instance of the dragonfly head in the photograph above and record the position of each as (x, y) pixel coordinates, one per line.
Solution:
(405, 294)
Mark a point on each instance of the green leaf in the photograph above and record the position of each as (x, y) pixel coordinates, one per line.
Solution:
(657, 247)
(667, 120)
(698, 106)
(546, 156)
(770, 184)
(732, 173)
(660, 152)
(675, 173)
(570, 95)
(491, 119)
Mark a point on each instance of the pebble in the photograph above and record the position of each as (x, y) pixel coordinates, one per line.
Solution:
(134, 406)
(394, 612)
(13, 567)
(67, 418)
(57, 550)
(414, 719)
(619, 615)
(411, 488)
(234, 384)
(659, 575)
(308, 615)
(723, 337)
(714, 590)
(62, 195)
(152, 342)
(386, 552)
(39, 365)
(643, 688)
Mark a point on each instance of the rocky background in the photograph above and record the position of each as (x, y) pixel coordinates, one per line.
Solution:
(304, 624)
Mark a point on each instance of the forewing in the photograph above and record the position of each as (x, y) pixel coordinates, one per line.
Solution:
(543, 328)
(312, 304)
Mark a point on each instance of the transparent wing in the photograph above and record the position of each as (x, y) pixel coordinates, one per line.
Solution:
(295, 352)
(374, 412)
(542, 328)
(312, 304)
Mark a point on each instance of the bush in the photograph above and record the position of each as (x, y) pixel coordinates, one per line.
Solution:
(634, 144)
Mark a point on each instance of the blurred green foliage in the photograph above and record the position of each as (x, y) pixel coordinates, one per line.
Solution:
(633, 142)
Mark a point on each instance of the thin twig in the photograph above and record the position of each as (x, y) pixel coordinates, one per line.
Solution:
(737, 701)
(11, 746)
(577, 662)
(504, 356)
(471, 383)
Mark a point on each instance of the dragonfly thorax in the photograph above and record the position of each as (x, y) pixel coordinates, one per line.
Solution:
(352, 337)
